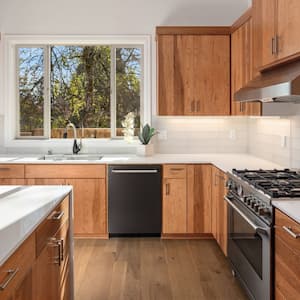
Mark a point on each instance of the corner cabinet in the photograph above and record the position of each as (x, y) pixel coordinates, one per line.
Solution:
(193, 68)
(287, 257)
(242, 68)
(89, 186)
(186, 200)
(276, 24)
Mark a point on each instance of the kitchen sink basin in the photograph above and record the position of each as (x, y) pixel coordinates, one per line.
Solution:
(56, 157)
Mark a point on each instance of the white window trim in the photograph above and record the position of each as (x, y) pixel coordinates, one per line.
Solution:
(9, 80)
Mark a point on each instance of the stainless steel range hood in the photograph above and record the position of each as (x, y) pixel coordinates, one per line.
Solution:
(278, 85)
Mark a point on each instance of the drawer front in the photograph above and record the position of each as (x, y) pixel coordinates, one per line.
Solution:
(285, 228)
(14, 270)
(11, 171)
(65, 171)
(51, 225)
(174, 171)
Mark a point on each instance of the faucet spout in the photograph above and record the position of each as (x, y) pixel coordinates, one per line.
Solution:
(76, 147)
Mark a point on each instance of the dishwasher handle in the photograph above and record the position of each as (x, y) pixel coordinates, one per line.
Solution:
(150, 171)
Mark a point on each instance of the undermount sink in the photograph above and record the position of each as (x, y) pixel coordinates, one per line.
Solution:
(71, 157)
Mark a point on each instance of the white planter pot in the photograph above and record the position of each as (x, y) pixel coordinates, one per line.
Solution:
(145, 150)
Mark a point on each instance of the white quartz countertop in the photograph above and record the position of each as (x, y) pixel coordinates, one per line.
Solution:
(289, 207)
(22, 209)
(225, 162)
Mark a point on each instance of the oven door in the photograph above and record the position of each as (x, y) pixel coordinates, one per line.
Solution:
(249, 249)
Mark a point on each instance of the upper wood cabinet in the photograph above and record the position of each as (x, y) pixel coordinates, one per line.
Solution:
(242, 68)
(276, 25)
(193, 73)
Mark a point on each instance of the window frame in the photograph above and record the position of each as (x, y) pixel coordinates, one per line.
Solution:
(10, 81)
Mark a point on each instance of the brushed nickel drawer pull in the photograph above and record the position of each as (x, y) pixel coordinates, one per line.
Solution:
(10, 275)
(62, 250)
(57, 215)
(290, 231)
(167, 189)
(177, 169)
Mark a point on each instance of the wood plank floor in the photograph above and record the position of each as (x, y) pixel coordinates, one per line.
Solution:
(150, 268)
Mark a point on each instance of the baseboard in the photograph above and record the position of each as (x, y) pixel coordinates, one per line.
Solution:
(186, 236)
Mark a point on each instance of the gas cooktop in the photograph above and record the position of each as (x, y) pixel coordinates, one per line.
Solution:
(275, 183)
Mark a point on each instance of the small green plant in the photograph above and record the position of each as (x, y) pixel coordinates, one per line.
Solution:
(146, 134)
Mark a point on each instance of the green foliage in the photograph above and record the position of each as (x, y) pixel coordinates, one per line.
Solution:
(146, 134)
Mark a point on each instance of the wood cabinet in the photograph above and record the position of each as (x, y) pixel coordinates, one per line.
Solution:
(52, 268)
(219, 208)
(276, 33)
(193, 74)
(16, 277)
(242, 68)
(89, 191)
(174, 199)
(287, 257)
(187, 199)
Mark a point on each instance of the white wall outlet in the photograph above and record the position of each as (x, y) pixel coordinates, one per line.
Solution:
(162, 134)
(283, 141)
(232, 134)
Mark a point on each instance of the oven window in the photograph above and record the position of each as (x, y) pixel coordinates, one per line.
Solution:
(247, 240)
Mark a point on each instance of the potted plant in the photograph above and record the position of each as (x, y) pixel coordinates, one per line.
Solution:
(145, 135)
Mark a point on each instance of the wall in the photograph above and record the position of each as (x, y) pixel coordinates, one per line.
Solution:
(134, 17)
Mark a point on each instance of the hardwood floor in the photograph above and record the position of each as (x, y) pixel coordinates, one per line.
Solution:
(150, 268)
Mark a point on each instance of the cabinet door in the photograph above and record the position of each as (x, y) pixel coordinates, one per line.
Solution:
(288, 14)
(46, 273)
(199, 199)
(211, 73)
(242, 69)
(219, 209)
(25, 290)
(168, 101)
(174, 205)
(90, 209)
(184, 77)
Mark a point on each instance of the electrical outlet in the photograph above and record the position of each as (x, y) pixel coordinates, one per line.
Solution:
(283, 141)
(162, 134)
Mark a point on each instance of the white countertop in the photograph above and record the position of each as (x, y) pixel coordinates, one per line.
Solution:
(22, 209)
(289, 207)
(225, 162)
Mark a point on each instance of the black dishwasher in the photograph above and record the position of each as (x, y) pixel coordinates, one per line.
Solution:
(134, 200)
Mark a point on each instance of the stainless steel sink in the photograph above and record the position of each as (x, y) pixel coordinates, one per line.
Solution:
(57, 157)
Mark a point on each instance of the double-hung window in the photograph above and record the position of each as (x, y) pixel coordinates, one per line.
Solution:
(94, 86)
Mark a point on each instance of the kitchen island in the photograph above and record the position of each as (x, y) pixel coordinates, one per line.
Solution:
(35, 229)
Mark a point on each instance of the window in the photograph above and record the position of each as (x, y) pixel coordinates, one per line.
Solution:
(93, 86)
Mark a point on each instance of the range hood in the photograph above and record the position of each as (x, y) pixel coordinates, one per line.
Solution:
(277, 85)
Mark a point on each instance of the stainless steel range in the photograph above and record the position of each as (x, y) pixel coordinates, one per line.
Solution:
(250, 224)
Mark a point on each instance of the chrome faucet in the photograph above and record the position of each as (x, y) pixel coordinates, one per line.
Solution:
(76, 147)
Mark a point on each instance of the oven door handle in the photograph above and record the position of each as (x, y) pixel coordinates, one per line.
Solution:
(258, 229)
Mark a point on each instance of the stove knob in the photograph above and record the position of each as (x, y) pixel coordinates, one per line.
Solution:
(249, 200)
(229, 184)
(256, 207)
(252, 203)
(240, 191)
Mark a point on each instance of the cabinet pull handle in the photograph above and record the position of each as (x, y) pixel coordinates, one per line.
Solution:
(198, 106)
(10, 275)
(290, 231)
(272, 45)
(57, 215)
(58, 243)
(167, 189)
(193, 106)
(241, 107)
(176, 169)
(4, 169)
(62, 250)
(275, 45)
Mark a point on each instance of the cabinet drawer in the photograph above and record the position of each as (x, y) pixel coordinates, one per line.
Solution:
(14, 270)
(11, 171)
(285, 227)
(174, 171)
(51, 225)
(65, 171)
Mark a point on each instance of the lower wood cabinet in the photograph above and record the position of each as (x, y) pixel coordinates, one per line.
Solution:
(219, 208)
(89, 190)
(186, 199)
(287, 257)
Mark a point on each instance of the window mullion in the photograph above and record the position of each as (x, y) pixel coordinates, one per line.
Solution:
(113, 94)
(47, 96)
